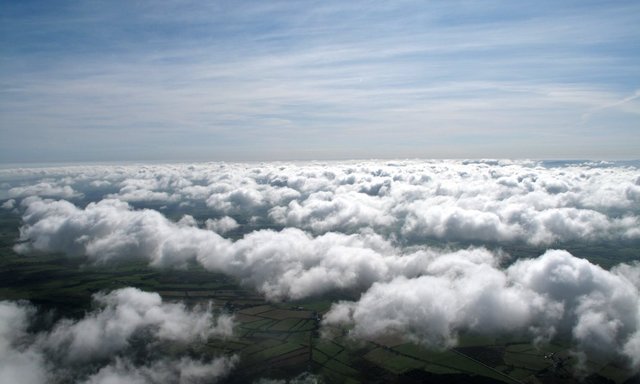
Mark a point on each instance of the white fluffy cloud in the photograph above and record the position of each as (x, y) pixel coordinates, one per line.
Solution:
(20, 362)
(412, 200)
(183, 371)
(289, 263)
(362, 227)
(539, 297)
(103, 336)
(9, 204)
(424, 294)
(48, 189)
(221, 225)
(125, 312)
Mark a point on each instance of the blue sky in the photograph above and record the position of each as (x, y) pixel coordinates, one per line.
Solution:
(258, 80)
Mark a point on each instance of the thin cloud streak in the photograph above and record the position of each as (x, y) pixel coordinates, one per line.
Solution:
(382, 74)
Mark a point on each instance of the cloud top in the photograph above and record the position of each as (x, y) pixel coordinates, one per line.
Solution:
(412, 201)
(362, 229)
(125, 312)
(71, 349)
(540, 298)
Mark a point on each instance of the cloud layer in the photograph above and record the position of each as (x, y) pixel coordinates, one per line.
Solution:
(424, 294)
(72, 349)
(364, 228)
(413, 201)
(183, 371)
(285, 264)
(125, 312)
(553, 294)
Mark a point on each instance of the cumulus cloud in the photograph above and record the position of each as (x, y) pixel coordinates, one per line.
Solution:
(362, 227)
(325, 211)
(46, 189)
(496, 201)
(222, 225)
(125, 312)
(9, 204)
(144, 190)
(541, 297)
(70, 349)
(289, 263)
(427, 295)
(183, 371)
(20, 362)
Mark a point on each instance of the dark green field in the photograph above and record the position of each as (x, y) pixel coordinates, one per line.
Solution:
(282, 340)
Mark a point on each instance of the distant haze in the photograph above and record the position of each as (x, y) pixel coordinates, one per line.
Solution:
(277, 80)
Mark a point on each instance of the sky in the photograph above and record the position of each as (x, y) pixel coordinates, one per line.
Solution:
(105, 81)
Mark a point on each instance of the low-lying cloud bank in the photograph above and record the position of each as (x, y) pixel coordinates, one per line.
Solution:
(362, 227)
(98, 347)
(182, 371)
(553, 294)
(426, 295)
(285, 264)
(496, 201)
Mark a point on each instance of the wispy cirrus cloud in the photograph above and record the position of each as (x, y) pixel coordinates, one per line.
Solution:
(410, 79)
